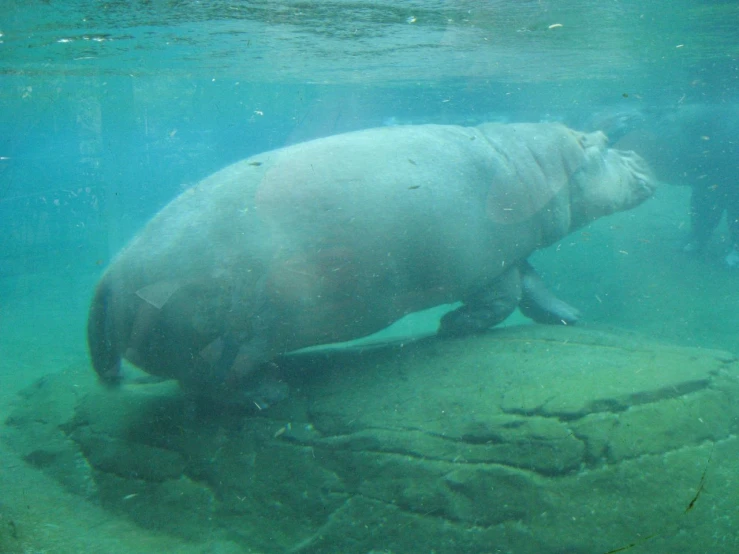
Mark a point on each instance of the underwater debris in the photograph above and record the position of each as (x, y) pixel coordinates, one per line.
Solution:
(701, 483)
(698, 491)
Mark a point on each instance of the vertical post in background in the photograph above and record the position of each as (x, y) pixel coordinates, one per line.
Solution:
(120, 150)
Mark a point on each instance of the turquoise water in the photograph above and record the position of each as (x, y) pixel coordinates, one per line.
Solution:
(108, 110)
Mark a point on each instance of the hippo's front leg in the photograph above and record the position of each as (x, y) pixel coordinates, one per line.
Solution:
(539, 303)
(486, 308)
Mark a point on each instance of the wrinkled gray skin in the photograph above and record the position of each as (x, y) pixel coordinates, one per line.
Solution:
(336, 238)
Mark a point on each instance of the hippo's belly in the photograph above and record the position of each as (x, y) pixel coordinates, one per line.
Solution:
(335, 249)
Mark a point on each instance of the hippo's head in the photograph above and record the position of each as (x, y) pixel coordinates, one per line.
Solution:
(608, 181)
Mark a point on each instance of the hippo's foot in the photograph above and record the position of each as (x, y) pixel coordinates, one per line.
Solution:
(540, 304)
(520, 287)
(486, 308)
(467, 320)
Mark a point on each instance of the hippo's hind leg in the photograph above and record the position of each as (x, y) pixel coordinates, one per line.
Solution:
(102, 336)
(486, 308)
(236, 371)
(540, 304)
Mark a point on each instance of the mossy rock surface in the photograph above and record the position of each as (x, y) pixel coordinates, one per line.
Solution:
(527, 439)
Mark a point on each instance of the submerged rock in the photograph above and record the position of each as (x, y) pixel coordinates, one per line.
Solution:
(530, 439)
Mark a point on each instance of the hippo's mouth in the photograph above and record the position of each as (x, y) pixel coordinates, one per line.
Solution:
(644, 184)
(645, 187)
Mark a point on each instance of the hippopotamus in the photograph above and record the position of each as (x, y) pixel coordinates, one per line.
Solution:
(336, 238)
(695, 144)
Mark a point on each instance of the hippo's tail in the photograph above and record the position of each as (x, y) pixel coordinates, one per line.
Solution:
(102, 338)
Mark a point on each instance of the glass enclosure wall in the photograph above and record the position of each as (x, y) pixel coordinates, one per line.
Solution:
(110, 110)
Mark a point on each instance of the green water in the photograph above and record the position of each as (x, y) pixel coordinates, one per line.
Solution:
(108, 110)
